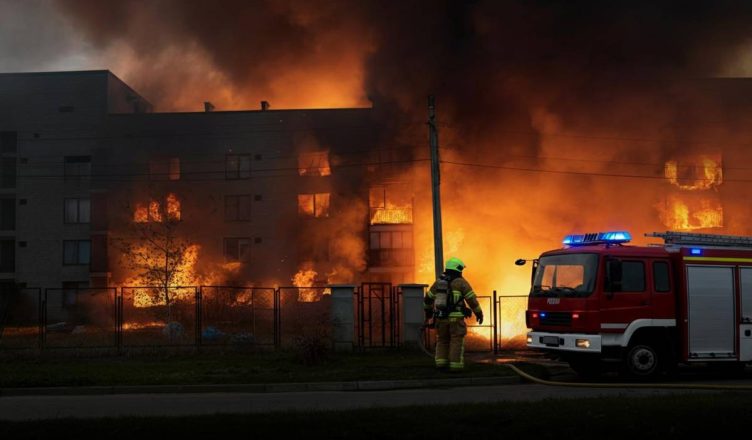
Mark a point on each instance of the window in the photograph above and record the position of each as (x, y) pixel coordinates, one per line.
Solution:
(76, 252)
(164, 169)
(8, 141)
(156, 210)
(237, 249)
(661, 276)
(70, 292)
(390, 204)
(8, 177)
(391, 248)
(238, 166)
(632, 276)
(77, 167)
(313, 205)
(238, 208)
(314, 164)
(77, 210)
(7, 256)
(7, 214)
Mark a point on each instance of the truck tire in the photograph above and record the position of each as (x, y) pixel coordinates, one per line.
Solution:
(644, 361)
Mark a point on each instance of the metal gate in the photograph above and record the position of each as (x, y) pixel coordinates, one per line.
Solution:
(377, 310)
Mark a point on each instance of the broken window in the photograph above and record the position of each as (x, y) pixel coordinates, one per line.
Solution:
(314, 164)
(164, 169)
(77, 211)
(237, 249)
(238, 207)
(76, 252)
(238, 166)
(313, 205)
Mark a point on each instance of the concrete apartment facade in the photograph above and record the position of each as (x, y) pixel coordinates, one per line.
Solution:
(263, 194)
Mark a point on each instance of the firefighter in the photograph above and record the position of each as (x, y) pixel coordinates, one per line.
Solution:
(445, 303)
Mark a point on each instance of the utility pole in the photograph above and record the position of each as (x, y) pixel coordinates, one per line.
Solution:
(433, 139)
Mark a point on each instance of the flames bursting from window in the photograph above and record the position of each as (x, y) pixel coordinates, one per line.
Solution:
(153, 212)
(695, 203)
(390, 204)
(314, 164)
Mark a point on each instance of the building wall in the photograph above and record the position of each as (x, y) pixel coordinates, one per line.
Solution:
(61, 120)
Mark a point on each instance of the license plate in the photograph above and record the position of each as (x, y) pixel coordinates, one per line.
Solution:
(550, 340)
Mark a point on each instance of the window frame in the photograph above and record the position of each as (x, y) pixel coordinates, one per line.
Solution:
(668, 276)
(78, 201)
(238, 198)
(236, 172)
(644, 277)
(77, 254)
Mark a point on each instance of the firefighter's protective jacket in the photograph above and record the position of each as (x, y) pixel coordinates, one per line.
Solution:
(461, 291)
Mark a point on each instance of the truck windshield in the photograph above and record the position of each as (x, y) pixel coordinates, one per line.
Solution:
(565, 275)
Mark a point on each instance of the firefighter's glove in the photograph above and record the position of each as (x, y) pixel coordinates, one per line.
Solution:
(479, 317)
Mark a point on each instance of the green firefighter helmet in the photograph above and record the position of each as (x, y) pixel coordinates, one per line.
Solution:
(455, 263)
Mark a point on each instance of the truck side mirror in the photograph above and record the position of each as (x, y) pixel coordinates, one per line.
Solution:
(520, 262)
(613, 276)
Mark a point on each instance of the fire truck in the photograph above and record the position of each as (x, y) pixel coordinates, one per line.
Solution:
(599, 302)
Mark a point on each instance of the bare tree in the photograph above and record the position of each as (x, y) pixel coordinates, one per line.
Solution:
(155, 251)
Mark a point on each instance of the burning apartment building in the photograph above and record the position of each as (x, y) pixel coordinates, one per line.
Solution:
(99, 190)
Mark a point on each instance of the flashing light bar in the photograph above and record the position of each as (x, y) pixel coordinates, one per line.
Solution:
(695, 251)
(611, 237)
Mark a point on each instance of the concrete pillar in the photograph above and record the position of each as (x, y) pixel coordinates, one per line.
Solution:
(412, 312)
(343, 319)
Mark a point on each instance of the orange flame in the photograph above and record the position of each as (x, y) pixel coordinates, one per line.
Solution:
(692, 214)
(141, 214)
(396, 215)
(155, 214)
(306, 278)
(701, 172)
(173, 207)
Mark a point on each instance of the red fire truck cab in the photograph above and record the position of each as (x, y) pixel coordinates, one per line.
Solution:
(599, 301)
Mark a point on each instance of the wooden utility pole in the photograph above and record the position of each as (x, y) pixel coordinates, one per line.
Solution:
(433, 139)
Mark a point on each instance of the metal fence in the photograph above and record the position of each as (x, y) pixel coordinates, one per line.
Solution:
(225, 316)
(148, 316)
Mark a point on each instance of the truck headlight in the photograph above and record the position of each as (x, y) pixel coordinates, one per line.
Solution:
(582, 343)
(529, 339)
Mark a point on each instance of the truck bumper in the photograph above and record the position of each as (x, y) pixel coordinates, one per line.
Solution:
(573, 342)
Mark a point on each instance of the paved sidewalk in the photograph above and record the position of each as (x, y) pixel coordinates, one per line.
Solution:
(146, 405)
(363, 385)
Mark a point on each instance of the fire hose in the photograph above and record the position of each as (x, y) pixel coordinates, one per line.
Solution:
(422, 337)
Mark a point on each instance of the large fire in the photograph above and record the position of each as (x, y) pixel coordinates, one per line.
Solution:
(306, 277)
(692, 213)
(697, 173)
(392, 214)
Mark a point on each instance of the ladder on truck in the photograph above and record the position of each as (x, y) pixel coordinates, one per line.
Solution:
(692, 239)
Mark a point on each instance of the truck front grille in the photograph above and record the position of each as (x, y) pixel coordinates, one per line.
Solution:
(556, 318)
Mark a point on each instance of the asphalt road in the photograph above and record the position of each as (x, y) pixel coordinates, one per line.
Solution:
(50, 407)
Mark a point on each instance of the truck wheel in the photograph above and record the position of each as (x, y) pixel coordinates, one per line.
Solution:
(643, 361)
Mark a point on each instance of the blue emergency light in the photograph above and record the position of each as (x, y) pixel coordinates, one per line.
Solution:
(611, 237)
(695, 251)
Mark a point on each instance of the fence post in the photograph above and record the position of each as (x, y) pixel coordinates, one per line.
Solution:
(495, 324)
(277, 318)
(197, 318)
(343, 322)
(413, 314)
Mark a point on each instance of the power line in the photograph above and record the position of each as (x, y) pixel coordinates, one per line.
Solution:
(580, 173)
(292, 171)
